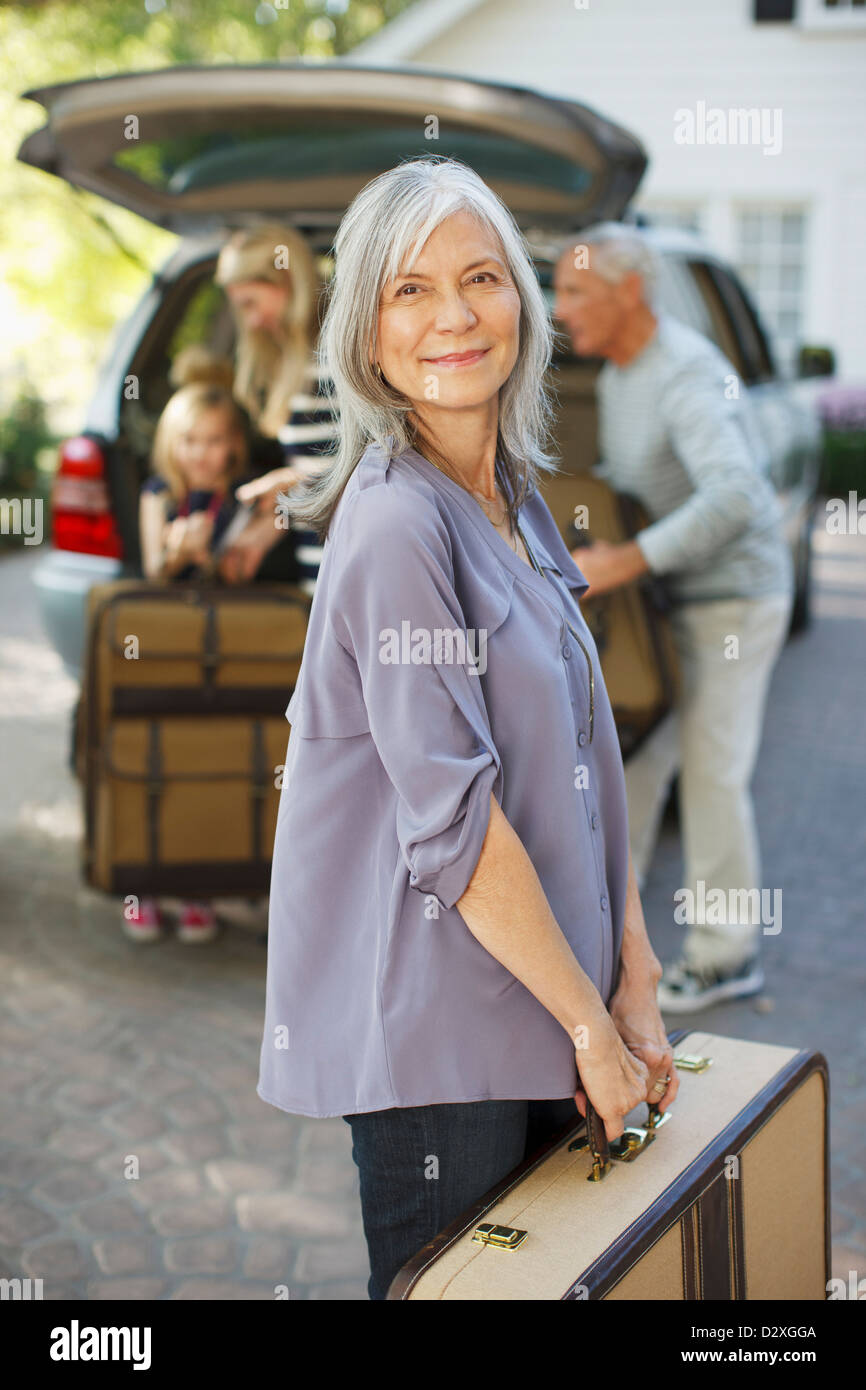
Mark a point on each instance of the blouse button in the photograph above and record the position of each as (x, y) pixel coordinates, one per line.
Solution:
(603, 902)
(595, 820)
(566, 651)
(581, 738)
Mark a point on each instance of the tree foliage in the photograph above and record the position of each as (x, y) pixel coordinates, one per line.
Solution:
(65, 279)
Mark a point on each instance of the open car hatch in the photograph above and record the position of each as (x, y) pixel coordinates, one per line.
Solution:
(194, 149)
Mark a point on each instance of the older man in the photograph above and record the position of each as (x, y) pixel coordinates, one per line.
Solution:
(675, 432)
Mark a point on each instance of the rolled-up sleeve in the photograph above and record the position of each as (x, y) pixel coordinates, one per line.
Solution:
(396, 613)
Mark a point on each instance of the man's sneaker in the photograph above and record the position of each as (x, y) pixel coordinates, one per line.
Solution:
(146, 923)
(197, 923)
(684, 989)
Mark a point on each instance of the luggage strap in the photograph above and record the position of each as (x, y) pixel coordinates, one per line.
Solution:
(260, 787)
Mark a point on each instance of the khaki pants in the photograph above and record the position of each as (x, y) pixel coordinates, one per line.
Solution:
(712, 738)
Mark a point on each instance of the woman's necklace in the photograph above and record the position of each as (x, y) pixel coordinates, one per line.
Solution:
(484, 502)
(488, 502)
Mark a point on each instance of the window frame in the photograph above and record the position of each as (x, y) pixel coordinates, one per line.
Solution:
(818, 17)
(777, 301)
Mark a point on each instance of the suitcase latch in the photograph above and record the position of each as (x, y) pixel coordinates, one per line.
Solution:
(689, 1061)
(503, 1237)
(633, 1140)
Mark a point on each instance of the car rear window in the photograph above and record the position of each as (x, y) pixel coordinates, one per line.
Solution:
(260, 148)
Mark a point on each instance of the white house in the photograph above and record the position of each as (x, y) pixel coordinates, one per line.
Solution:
(753, 113)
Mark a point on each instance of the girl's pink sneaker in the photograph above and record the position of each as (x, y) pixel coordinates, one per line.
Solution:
(197, 923)
(145, 924)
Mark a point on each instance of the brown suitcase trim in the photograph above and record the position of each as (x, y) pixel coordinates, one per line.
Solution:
(689, 1237)
(737, 1235)
(206, 879)
(679, 1199)
(712, 1252)
(142, 701)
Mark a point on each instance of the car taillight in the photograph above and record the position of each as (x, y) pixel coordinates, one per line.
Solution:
(81, 515)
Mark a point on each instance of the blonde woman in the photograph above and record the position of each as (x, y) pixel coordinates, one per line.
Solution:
(270, 278)
(457, 954)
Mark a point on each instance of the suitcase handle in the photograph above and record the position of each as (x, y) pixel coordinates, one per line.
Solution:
(633, 1140)
(598, 1143)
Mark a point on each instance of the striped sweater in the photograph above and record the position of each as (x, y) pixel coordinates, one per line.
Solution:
(308, 435)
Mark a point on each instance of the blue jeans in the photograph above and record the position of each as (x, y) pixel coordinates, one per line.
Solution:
(421, 1166)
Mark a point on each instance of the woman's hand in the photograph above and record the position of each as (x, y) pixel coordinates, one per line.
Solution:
(635, 1015)
(188, 539)
(240, 561)
(614, 1079)
(199, 530)
(264, 491)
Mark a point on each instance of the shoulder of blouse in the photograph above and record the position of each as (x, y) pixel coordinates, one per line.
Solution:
(398, 538)
(387, 513)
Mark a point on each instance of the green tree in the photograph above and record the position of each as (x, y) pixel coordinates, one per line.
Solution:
(64, 280)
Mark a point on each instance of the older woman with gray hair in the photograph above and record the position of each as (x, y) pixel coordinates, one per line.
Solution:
(675, 431)
(457, 954)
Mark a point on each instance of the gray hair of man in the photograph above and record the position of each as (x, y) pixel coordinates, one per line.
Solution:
(616, 249)
(380, 235)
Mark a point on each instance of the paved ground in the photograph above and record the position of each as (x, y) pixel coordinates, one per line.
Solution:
(108, 1050)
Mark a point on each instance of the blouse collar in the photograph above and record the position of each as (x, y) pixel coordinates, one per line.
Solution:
(473, 509)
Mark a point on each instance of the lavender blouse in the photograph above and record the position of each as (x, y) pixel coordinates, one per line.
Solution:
(437, 666)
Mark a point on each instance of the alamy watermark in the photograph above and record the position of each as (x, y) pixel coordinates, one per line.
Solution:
(22, 517)
(736, 125)
(846, 518)
(730, 907)
(438, 646)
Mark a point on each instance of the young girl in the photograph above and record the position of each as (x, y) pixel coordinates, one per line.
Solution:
(199, 458)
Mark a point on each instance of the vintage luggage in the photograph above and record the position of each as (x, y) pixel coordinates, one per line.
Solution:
(182, 734)
(629, 625)
(727, 1199)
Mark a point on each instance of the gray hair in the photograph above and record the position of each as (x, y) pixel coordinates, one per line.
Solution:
(618, 250)
(382, 231)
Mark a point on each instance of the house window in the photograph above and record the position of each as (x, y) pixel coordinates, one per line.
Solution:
(771, 258)
(831, 15)
(686, 217)
(773, 10)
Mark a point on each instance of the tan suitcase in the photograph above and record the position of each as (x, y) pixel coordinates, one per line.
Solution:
(726, 1199)
(182, 735)
(629, 625)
